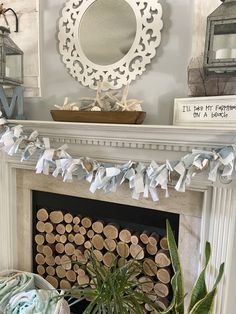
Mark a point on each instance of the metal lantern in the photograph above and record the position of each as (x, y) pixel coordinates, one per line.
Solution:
(220, 45)
(11, 60)
(11, 70)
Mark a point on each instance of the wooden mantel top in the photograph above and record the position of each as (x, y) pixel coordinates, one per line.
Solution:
(165, 134)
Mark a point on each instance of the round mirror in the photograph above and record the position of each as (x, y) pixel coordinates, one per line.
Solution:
(109, 40)
(103, 38)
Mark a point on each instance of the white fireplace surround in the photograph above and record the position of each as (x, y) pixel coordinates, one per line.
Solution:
(120, 143)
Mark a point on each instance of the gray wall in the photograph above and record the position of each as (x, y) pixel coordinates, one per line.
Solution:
(164, 79)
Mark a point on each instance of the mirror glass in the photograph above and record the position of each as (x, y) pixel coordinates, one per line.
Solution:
(107, 31)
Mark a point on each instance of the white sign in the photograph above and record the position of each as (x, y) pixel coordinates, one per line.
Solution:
(205, 111)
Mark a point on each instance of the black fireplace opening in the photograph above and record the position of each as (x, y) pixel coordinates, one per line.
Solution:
(130, 217)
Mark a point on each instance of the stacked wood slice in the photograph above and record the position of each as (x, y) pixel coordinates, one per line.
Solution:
(63, 243)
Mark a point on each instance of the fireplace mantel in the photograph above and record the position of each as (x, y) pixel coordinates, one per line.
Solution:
(117, 134)
(120, 143)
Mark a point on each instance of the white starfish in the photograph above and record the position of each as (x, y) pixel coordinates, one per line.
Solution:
(68, 106)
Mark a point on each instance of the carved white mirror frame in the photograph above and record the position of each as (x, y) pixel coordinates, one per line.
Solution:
(148, 15)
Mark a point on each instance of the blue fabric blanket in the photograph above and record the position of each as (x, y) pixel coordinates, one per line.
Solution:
(19, 295)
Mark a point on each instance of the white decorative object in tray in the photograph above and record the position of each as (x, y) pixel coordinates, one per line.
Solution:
(205, 111)
(109, 41)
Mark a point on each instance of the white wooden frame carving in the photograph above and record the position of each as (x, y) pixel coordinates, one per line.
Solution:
(148, 37)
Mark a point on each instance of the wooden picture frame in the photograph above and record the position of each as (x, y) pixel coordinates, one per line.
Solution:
(217, 111)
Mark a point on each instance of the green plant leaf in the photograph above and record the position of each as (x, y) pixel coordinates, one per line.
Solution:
(220, 275)
(200, 290)
(174, 255)
(205, 306)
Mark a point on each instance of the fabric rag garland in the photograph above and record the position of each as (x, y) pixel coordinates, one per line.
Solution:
(143, 179)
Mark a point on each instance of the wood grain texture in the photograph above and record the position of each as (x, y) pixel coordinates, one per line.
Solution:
(121, 117)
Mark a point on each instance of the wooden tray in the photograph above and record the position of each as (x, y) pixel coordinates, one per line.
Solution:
(122, 117)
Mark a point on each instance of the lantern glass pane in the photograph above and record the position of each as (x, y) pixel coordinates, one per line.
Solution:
(224, 41)
(14, 67)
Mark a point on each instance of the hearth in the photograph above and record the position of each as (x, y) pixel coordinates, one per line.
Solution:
(65, 228)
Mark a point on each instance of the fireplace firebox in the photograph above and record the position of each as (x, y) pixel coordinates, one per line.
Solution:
(66, 228)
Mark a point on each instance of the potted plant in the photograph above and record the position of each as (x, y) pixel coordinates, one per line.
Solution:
(116, 290)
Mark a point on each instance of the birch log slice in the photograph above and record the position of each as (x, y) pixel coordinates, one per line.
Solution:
(60, 228)
(90, 234)
(81, 272)
(76, 220)
(79, 239)
(40, 248)
(53, 281)
(162, 302)
(50, 270)
(64, 284)
(58, 260)
(57, 237)
(56, 217)
(42, 214)
(164, 244)
(111, 232)
(39, 239)
(66, 262)
(81, 258)
(71, 237)
(149, 267)
(68, 218)
(76, 228)
(50, 260)
(110, 245)
(47, 251)
(86, 222)
(163, 275)
(123, 249)
(98, 242)
(146, 284)
(136, 251)
(144, 237)
(98, 254)
(71, 276)
(98, 226)
(60, 248)
(48, 227)
(82, 230)
(109, 259)
(153, 239)
(69, 228)
(161, 290)
(88, 245)
(83, 280)
(61, 272)
(162, 259)
(50, 238)
(122, 262)
(40, 270)
(151, 249)
(134, 239)
(69, 249)
(40, 259)
(40, 226)
(125, 236)
(63, 238)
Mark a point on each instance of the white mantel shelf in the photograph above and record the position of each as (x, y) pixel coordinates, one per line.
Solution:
(156, 134)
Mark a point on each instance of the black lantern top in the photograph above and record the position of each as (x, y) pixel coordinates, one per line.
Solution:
(220, 46)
